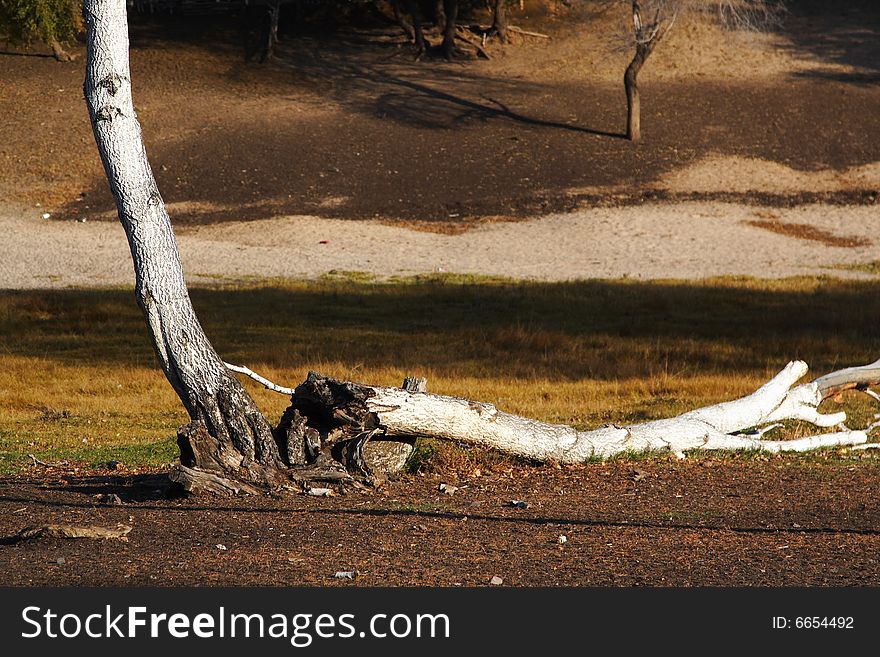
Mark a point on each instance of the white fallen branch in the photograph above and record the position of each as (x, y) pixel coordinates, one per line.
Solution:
(403, 414)
(266, 383)
(57, 464)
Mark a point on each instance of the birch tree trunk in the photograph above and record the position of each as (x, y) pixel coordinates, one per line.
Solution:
(227, 433)
(339, 431)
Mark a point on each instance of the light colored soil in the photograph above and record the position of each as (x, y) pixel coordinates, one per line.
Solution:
(689, 240)
(750, 174)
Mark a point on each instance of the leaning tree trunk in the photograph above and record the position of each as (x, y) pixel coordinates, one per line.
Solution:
(342, 431)
(228, 434)
(633, 100)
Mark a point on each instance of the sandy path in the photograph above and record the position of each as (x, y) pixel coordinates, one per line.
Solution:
(684, 241)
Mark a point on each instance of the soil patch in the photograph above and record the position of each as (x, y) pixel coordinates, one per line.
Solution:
(346, 125)
(694, 523)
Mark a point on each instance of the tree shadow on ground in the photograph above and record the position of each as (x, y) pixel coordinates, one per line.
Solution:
(553, 331)
(343, 124)
(153, 492)
(845, 33)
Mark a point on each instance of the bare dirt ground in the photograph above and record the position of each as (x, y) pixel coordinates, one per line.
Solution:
(758, 160)
(705, 522)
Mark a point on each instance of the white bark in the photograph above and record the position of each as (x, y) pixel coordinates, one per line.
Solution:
(212, 396)
(400, 413)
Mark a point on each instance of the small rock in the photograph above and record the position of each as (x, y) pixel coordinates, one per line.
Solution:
(220, 546)
(562, 539)
(344, 574)
(320, 492)
(519, 504)
(421, 528)
(115, 465)
(496, 581)
(46, 215)
(447, 488)
(61, 561)
(638, 475)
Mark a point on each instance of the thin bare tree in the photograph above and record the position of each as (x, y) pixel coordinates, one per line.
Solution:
(653, 19)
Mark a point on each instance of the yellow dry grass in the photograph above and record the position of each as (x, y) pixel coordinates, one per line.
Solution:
(78, 378)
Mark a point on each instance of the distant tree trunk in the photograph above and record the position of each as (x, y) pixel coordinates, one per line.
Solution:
(227, 433)
(418, 29)
(633, 101)
(398, 16)
(450, 10)
(499, 19)
(647, 36)
(270, 37)
(439, 14)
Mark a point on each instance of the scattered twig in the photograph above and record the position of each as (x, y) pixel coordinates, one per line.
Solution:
(467, 37)
(57, 464)
(519, 30)
(259, 379)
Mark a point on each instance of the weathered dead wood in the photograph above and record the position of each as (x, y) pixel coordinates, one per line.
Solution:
(57, 464)
(195, 480)
(859, 378)
(98, 532)
(463, 34)
(519, 30)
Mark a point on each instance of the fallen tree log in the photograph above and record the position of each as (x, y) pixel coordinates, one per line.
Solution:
(334, 409)
(340, 431)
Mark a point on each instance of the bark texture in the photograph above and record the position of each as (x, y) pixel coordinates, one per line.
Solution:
(233, 436)
(352, 414)
(647, 36)
(499, 19)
